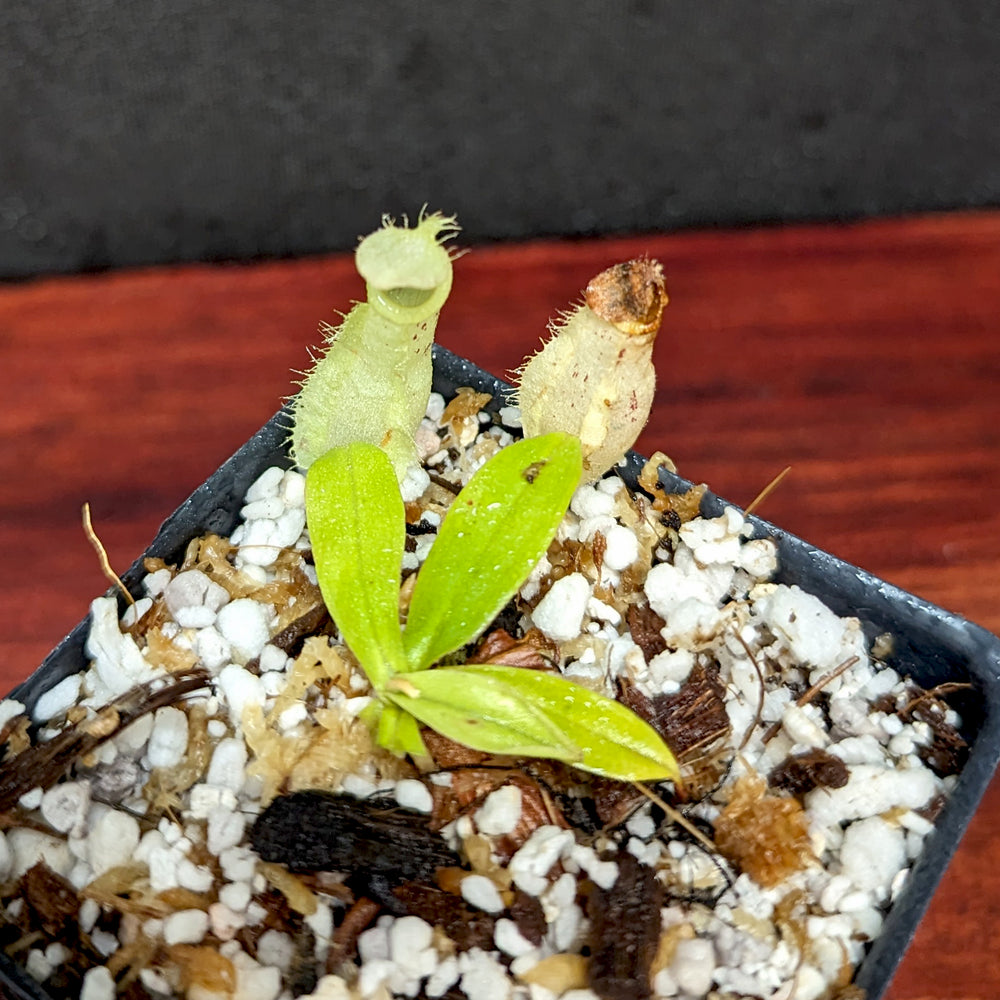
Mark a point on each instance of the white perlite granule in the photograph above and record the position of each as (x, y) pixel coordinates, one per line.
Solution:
(267, 708)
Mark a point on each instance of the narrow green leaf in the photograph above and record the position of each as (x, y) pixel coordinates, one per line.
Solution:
(512, 710)
(357, 527)
(481, 712)
(399, 733)
(495, 531)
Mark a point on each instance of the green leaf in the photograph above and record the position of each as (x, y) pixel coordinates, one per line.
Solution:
(511, 710)
(399, 733)
(482, 712)
(357, 527)
(495, 531)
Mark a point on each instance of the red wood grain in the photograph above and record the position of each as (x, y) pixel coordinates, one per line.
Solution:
(866, 356)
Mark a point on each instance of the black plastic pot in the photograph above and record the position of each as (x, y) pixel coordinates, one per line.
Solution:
(932, 646)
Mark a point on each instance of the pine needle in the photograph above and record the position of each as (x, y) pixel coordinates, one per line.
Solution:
(675, 816)
(766, 491)
(102, 555)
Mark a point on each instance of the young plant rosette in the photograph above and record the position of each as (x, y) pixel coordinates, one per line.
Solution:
(495, 531)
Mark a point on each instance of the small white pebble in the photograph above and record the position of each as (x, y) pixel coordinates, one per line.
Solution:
(871, 854)
(834, 892)
(559, 614)
(648, 854)
(603, 874)
(203, 798)
(275, 948)
(228, 766)
(800, 727)
(193, 589)
(240, 688)
(185, 927)
(892, 724)
(268, 507)
(98, 984)
(217, 729)
(197, 878)
(603, 612)
(810, 983)
(153, 583)
(273, 658)
(293, 489)
(622, 548)
(359, 787)
(64, 807)
(162, 862)
(154, 982)
(565, 930)
(483, 977)
(692, 966)
(510, 940)
(413, 794)
(212, 649)
(31, 799)
(442, 978)
(852, 902)
(372, 979)
(134, 612)
(90, 910)
(273, 682)
(236, 895)
(256, 914)
(415, 481)
(536, 856)
(153, 928)
(57, 953)
(479, 891)
(901, 744)
(590, 502)
(641, 824)
(225, 830)
(169, 739)
(500, 812)
(435, 406)
(266, 484)
(320, 922)
(112, 841)
(373, 944)
(105, 942)
(288, 528)
(292, 716)
(410, 947)
(38, 966)
(243, 623)
(134, 737)
(898, 883)
(56, 701)
(355, 706)
(510, 416)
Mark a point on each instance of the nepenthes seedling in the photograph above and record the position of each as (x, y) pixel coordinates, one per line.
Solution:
(495, 531)
(354, 425)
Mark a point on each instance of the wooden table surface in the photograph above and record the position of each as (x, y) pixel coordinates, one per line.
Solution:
(866, 356)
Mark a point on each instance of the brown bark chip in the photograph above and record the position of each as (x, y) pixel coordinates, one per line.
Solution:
(624, 932)
(467, 927)
(802, 772)
(52, 897)
(645, 624)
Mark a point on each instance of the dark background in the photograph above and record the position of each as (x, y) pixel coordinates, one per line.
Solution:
(135, 133)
